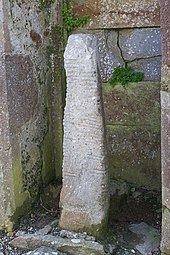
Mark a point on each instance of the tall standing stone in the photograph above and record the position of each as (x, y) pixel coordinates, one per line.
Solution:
(6, 185)
(165, 125)
(84, 197)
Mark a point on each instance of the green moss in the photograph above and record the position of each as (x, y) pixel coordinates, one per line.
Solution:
(108, 88)
(70, 22)
(21, 198)
(124, 75)
(99, 231)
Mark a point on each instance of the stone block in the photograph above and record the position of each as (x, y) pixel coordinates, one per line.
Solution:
(6, 185)
(26, 84)
(22, 90)
(151, 67)
(118, 14)
(85, 194)
(165, 21)
(139, 104)
(140, 43)
(134, 155)
(71, 246)
(165, 243)
(109, 53)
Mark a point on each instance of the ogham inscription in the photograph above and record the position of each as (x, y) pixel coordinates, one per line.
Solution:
(84, 196)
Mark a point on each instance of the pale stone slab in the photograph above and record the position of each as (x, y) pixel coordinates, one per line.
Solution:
(81, 247)
(44, 251)
(85, 195)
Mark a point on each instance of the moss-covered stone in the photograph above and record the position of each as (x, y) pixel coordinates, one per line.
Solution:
(133, 132)
(58, 95)
(138, 104)
(134, 154)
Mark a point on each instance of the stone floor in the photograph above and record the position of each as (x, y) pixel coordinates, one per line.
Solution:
(134, 228)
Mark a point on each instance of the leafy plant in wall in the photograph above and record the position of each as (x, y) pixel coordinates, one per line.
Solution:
(124, 75)
(70, 23)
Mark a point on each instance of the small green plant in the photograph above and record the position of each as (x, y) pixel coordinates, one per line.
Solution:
(124, 75)
(70, 23)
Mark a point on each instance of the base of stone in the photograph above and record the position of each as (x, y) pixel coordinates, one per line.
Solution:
(75, 245)
(80, 222)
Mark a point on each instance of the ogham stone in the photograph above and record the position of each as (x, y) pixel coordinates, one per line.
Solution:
(84, 197)
(165, 125)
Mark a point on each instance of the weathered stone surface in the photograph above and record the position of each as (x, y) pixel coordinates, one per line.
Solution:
(44, 251)
(85, 195)
(51, 196)
(165, 78)
(166, 196)
(139, 104)
(151, 67)
(109, 53)
(72, 246)
(6, 185)
(140, 43)
(165, 138)
(134, 154)
(27, 158)
(111, 14)
(165, 245)
(165, 157)
(133, 132)
(58, 87)
(32, 138)
(165, 24)
(150, 238)
(22, 90)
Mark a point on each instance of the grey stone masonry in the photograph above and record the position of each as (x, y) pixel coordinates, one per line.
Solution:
(84, 196)
(165, 156)
(140, 43)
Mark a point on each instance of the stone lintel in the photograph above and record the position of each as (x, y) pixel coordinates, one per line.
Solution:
(118, 13)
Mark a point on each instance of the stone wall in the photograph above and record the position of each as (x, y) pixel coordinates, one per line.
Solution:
(129, 35)
(133, 132)
(31, 84)
(132, 114)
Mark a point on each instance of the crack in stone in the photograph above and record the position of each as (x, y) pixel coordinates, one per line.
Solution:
(136, 59)
(118, 45)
